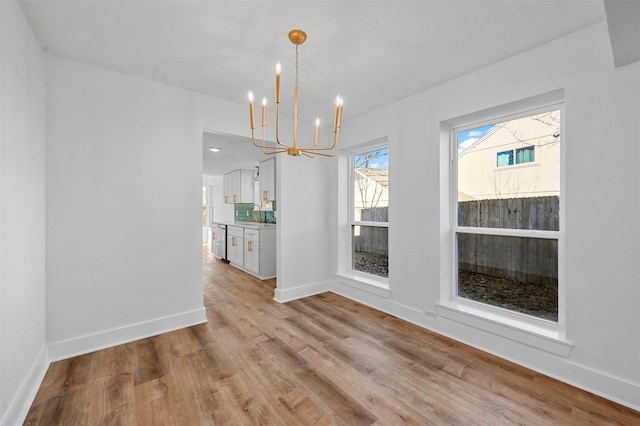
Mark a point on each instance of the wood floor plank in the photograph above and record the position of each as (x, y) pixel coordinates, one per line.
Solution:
(322, 360)
(111, 397)
(259, 370)
(147, 361)
(344, 408)
(359, 387)
(304, 409)
(151, 404)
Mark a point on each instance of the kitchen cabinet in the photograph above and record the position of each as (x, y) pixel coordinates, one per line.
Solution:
(235, 246)
(238, 186)
(260, 252)
(251, 247)
(268, 180)
(227, 190)
(252, 250)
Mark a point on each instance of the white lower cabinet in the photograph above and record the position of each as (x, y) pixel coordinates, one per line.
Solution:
(235, 244)
(252, 250)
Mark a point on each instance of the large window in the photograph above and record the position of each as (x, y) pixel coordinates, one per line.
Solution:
(369, 211)
(507, 227)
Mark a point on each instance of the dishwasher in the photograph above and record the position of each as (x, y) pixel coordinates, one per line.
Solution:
(219, 247)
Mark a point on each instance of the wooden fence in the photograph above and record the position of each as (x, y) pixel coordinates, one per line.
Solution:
(541, 213)
(530, 260)
(373, 239)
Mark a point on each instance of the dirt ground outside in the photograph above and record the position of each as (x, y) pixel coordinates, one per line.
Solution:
(371, 263)
(531, 299)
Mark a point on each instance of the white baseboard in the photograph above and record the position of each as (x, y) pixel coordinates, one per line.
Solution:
(21, 403)
(563, 369)
(560, 368)
(379, 299)
(598, 383)
(108, 338)
(283, 296)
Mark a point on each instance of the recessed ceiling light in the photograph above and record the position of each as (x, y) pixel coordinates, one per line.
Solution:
(214, 149)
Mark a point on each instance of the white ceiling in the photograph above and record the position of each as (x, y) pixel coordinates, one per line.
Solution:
(236, 152)
(371, 52)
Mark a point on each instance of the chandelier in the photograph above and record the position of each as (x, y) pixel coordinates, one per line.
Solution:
(297, 37)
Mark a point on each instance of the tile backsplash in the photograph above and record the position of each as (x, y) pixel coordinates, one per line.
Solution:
(245, 213)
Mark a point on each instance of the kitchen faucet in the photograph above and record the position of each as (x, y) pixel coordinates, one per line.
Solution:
(259, 220)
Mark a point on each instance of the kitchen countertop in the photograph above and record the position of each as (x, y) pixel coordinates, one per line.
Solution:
(251, 225)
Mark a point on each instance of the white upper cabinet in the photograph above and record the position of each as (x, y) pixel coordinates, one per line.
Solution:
(268, 180)
(238, 186)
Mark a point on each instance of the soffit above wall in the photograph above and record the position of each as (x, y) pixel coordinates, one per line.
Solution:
(623, 20)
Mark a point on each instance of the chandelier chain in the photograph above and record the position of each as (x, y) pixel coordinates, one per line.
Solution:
(296, 65)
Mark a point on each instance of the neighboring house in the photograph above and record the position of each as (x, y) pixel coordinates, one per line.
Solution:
(371, 190)
(518, 158)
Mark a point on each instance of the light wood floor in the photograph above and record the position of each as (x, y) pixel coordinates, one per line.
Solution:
(322, 360)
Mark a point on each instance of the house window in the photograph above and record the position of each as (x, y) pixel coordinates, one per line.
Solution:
(369, 211)
(523, 155)
(505, 158)
(507, 228)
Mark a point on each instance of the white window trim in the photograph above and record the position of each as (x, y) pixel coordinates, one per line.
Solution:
(516, 166)
(346, 274)
(539, 333)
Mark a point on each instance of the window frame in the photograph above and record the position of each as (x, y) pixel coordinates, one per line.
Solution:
(511, 161)
(514, 157)
(372, 278)
(546, 334)
(526, 148)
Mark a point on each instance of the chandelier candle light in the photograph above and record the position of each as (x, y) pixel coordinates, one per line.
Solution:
(297, 37)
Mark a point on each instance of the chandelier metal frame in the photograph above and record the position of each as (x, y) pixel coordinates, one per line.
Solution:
(297, 37)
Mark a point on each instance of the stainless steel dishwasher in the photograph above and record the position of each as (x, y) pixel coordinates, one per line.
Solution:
(220, 245)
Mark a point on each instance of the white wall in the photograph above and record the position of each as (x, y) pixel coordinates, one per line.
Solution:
(124, 176)
(304, 254)
(601, 132)
(23, 355)
(603, 223)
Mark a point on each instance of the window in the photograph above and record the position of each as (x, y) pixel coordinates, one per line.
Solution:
(507, 235)
(523, 155)
(369, 211)
(505, 158)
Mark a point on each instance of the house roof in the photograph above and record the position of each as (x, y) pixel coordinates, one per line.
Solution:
(380, 176)
(487, 135)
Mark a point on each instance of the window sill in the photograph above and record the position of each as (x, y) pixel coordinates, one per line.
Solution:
(546, 338)
(370, 285)
(516, 166)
